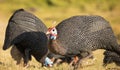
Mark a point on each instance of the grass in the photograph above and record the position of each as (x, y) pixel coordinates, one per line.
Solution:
(55, 10)
(7, 63)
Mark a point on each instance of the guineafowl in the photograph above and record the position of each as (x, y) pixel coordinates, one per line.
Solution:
(80, 35)
(27, 33)
(111, 57)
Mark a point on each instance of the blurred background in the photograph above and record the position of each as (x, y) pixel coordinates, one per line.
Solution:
(57, 10)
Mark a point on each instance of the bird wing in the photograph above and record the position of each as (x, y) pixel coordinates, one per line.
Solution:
(21, 21)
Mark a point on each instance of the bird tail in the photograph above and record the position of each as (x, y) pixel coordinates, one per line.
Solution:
(7, 41)
(9, 35)
(6, 45)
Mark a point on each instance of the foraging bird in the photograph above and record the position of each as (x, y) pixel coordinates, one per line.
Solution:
(27, 33)
(111, 57)
(80, 35)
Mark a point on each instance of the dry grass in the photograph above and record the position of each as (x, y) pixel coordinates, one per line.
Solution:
(7, 63)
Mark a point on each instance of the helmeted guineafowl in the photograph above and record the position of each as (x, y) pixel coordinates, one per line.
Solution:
(80, 35)
(111, 57)
(27, 33)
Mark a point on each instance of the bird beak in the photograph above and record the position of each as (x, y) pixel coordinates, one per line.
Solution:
(47, 32)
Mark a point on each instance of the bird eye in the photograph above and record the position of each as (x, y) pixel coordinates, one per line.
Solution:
(53, 30)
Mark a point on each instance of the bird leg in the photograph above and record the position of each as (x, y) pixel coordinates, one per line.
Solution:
(26, 57)
(74, 60)
(79, 60)
(105, 64)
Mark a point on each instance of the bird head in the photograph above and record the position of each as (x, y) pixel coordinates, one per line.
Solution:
(52, 32)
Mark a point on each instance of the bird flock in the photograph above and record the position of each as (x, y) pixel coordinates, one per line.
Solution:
(72, 40)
